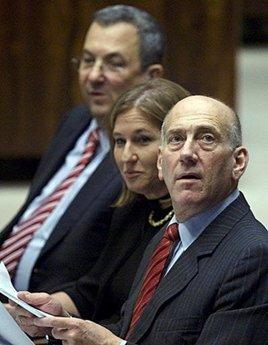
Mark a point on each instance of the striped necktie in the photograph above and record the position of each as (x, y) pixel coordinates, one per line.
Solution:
(154, 273)
(14, 246)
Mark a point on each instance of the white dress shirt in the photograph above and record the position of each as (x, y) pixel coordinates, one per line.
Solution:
(30, 255)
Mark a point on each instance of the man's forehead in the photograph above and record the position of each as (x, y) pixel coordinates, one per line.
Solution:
(116, 39)
(200, 109)
(115, 32)
(202, 105)
(192, 116)
(195, 121)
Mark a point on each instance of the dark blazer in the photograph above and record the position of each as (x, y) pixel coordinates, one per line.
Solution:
(81, 233)
(100, 295)
(216, 293)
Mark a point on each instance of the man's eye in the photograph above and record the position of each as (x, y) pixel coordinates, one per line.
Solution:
(87, 60)
(115, 64)
(175, 139)
(208, 138)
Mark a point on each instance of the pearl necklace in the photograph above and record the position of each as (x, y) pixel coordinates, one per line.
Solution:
(162, 221)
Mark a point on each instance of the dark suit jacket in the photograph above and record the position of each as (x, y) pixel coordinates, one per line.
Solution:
(216, 293)
(100, 295)
(80, 234)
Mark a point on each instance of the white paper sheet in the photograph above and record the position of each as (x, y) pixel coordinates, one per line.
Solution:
(10, 332)
(8, 290)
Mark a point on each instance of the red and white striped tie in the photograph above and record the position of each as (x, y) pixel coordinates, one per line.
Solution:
(14, 246)
(154, 273)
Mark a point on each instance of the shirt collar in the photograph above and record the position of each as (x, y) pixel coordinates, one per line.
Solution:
(104, 141)
(191, 229)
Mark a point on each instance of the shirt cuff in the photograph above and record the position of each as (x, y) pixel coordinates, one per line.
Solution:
(123, 342)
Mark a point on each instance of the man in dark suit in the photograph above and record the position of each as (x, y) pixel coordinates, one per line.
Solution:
(123, 47)
(211, 286)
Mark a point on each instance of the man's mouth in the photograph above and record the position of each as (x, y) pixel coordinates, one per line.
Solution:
(97, 94)
(188, 176)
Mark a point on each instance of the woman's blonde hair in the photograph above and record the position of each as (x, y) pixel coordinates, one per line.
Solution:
(153, 99)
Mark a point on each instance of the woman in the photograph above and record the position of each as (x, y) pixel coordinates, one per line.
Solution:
(142, 208)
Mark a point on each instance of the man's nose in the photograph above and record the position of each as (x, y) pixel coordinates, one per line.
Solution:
(96, 73)
(188, 151)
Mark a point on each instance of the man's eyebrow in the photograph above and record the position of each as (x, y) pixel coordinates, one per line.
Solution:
(207, 128)
(109, 55)
(86, 51)
(175, 130)
(198, 129)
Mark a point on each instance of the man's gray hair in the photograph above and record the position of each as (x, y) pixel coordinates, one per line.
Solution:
(151, 36)
(235, 134)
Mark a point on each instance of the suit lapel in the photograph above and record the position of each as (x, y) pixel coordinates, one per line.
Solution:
(63, 145)
(92, 189)
(186, 268)
(52, 160)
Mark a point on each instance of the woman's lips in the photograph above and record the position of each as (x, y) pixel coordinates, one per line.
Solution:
(132, 174)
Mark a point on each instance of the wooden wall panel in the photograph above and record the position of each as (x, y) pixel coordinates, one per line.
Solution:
(203, 37)
(38, 39)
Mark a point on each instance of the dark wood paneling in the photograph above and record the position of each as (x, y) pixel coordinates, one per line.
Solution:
(203, 37)
(38, 38)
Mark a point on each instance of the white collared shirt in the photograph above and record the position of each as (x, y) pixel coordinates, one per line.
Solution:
(26, 264)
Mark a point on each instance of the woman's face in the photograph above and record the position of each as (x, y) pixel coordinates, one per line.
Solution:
(136, 148)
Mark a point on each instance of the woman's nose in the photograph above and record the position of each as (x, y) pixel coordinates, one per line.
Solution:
(129, 154)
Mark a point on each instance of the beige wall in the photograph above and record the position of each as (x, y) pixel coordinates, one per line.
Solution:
(253, 107)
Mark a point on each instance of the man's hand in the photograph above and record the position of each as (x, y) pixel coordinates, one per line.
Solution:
(42, 301)
(75, 331)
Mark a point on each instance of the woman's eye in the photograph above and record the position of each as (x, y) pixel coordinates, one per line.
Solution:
(144, 139)
(119, 142)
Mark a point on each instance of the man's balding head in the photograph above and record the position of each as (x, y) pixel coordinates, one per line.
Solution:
(201, 158)
(203, 104)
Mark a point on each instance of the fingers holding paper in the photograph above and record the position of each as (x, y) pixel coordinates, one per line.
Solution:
(42, 301)
(75, 331)
(25, 319)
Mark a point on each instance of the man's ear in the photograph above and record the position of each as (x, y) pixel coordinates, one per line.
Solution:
(240, 162)
(159, 164)
(155, 71)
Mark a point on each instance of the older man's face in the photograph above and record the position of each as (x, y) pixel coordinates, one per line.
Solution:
(110, 65)
(197, 162)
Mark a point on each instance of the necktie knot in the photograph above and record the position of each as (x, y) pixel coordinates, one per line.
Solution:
(172, 232)
(94, 137)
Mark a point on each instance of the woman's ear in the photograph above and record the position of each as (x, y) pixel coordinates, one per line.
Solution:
(240, 162)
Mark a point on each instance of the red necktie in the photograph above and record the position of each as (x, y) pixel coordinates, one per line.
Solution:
(14, 246)
(154, 273)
